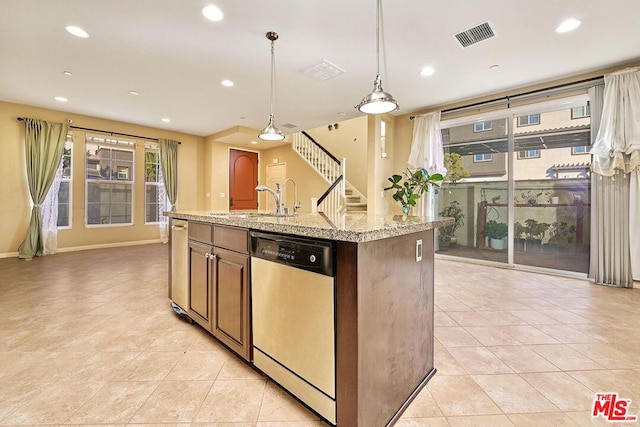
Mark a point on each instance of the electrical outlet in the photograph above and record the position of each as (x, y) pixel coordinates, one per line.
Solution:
(221, 194)
(418, 250)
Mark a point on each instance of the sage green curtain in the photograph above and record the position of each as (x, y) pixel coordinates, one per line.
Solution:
(169, 165)
(44, 145)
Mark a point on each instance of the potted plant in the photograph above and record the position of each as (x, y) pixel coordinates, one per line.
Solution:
(535, 232)
(416, 182)
(561, 234)
(496, 232)
(455, 167)
(518, 239)
(446, 234)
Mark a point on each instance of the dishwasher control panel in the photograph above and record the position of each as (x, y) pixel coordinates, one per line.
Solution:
(306, 254)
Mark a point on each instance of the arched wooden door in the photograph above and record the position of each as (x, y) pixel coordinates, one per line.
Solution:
(243, 178)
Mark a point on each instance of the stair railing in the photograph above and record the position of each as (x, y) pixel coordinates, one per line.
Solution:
(328, 166)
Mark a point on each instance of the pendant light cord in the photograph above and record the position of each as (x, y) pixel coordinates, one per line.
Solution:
(378, 36)
(273, 77)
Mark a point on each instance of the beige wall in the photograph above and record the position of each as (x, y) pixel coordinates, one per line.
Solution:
(308, 181)
(14, 192)
(349, 141)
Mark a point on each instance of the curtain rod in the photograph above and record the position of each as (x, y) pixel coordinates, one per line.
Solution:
(21, 119)
(509, 98)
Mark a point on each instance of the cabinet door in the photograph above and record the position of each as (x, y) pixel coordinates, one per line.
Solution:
(200, 264)
(231, 319)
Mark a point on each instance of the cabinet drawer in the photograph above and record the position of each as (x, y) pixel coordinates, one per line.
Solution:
(200, 232)
(235, 239)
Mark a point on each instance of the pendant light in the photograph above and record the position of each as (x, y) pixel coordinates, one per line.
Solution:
(271, 132)
(378, 101)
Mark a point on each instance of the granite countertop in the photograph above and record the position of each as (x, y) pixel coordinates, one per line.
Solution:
(348, 227)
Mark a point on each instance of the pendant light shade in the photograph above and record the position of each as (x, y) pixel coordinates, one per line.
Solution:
(378, 101)
(271, 132)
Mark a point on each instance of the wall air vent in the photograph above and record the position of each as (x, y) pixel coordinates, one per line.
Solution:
(475, 35)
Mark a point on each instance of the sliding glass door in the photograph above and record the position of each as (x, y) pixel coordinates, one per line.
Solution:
(519, 185)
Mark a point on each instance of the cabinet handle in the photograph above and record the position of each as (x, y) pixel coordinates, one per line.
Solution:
(213, 256)
(206, 255)
(178, 227)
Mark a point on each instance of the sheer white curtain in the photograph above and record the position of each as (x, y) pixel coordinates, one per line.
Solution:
(616, 160)
(163, 206)
(49, 211)
(427, 152)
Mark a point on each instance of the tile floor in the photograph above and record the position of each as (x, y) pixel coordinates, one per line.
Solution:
(88, 338)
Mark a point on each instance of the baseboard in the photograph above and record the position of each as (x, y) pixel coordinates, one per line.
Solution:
(89, 247)
(9, 255)
(107, 245)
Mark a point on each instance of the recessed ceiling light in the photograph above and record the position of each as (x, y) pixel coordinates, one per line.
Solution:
(568, 25)
(77, 31)
(212, 13)
(342, 114)
(227, 83)
(254, 142)
(166, 120)
(427, 71)
(67, 73)
(60, 99)
(134, 92)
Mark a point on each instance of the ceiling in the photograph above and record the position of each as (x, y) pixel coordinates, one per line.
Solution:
(175, 58)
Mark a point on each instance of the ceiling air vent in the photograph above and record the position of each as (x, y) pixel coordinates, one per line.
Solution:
(475, 35)
(323, 71)
(289, 125)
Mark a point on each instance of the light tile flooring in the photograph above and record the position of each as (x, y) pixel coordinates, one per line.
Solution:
(88, 338)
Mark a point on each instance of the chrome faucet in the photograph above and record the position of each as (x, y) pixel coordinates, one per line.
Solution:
(296, 202)
(277, 195)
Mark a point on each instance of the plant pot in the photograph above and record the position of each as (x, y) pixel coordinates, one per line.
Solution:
(499, 244)
(444, 243)
(533, 246)
(518, 244)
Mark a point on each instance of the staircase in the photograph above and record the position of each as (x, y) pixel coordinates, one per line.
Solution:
(354, 202)
(338, 198)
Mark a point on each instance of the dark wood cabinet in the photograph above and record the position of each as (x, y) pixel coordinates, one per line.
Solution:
(200, 273)
(219, 288)
(231, 303)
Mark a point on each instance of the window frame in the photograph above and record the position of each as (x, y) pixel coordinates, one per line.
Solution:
(586, 112)
(574, 153)
(484, 157)
(523, 156)
(528, 117)
(69, 180)
(484, 126)
(118, 144)
(150, 147)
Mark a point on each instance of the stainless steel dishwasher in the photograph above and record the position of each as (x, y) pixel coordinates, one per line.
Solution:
(179, 266)
(293, 288)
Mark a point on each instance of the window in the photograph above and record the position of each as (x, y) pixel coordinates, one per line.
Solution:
(531, 119)
(529, 154)
(155, 199)
(582, 149)
(487, 157)
(482, 126)
(109, 177)
(580, 112)
(64, 194)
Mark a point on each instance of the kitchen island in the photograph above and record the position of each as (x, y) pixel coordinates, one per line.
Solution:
(382, 308)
